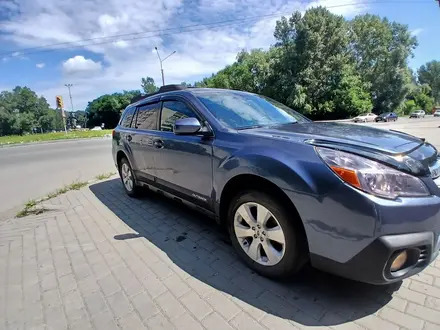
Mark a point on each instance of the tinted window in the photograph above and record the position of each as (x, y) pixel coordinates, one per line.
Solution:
(240, 110)
(147, 115)
(128, 116)
(172, 111)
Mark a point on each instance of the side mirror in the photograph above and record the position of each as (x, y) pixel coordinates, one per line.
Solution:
(186, 126)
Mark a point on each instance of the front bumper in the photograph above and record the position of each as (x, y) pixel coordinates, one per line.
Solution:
(372, 264)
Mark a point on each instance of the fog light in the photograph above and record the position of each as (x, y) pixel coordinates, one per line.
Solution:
(399, 261)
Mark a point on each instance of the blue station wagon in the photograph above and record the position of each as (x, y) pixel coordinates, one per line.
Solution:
(357, 201)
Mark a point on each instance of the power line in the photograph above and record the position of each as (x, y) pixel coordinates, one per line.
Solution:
(117, 37)
(213, 25)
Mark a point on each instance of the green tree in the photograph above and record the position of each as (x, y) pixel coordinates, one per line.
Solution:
(421, 95)
(148, 85)
(429, 73)
(22, 111)
(107, 108)
(381, 50)
(81, 118)
(314, 69)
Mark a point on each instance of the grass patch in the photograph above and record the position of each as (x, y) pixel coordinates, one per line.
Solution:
(77, 185)
(18, 139)
(34, 206)
(31, 207)
(104, 176)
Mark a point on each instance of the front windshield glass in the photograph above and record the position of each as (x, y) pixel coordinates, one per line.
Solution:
(240, 110)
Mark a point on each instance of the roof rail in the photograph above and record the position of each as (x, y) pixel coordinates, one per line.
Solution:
(163, 89)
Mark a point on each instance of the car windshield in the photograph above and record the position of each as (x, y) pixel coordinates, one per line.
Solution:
(385, 114)
(239, 110)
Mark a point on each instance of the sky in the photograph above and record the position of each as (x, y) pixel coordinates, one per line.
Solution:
(107, 64)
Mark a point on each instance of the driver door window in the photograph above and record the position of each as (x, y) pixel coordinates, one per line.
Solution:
(172, 111)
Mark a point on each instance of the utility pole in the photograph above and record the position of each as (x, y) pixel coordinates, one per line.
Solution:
(70, 95)
(71, 102)
(161, 67)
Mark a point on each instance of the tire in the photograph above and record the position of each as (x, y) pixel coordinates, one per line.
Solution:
(285, 260)
(124, 166)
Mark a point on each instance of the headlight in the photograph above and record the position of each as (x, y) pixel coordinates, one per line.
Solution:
(372, 177)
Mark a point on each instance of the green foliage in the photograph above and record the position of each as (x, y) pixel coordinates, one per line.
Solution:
(409, 106)
(309, 69)
(328, 68)
(107, 108)
(319, 78)
(381, 49)
(322, 65)
(23, 112)
(28, 138)
(421, 95)
(148, 85)
(429, 73)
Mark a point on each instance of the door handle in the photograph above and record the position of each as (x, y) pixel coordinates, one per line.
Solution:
(129, 138)
(158, 144)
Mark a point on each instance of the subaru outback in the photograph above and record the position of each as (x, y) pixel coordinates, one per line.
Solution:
(356, 201)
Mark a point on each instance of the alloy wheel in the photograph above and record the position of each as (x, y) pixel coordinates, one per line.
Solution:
(259, 234)
(127, 177)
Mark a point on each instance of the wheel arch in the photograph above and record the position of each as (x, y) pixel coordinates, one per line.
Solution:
(122, 154)
(243, 182)
(119, 155)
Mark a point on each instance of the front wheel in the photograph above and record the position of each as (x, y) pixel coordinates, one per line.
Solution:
(265, 236)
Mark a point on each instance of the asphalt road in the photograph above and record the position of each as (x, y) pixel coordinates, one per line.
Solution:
(31, 171)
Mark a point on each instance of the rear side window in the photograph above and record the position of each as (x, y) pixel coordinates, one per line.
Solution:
(147, 116)
(128, 116)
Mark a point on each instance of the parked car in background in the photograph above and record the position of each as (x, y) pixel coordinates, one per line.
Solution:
(387, 116)
(437, 113)
(290, 191)
(365, 118)
(417, 114)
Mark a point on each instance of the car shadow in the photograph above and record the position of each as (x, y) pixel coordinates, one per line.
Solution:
(199, 247)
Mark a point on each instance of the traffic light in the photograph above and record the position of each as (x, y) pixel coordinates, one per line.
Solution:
(60, 104)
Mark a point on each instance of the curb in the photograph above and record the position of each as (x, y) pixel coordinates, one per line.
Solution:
(11, 213)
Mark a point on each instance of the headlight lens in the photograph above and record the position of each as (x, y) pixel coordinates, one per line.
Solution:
(372, 177)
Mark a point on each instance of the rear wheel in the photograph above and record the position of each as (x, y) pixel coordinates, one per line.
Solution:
(127, 177)
(264, 235)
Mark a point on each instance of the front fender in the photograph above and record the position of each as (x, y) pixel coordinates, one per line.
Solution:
(301, 171)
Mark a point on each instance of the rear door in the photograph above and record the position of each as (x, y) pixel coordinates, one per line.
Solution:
(183, 162)
(125, 133)
(142, 141)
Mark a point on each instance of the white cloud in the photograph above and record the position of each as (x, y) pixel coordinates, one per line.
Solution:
(40, 65)
(128, 58)
(80, 64)
(416, 32)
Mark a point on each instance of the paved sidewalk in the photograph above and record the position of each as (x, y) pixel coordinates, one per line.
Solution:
(101, 260)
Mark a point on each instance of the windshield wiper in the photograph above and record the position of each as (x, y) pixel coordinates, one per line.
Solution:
(250, 127)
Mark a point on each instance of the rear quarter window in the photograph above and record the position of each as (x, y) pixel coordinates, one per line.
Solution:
(127, 117)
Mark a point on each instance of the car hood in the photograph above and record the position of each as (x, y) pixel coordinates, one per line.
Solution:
(381, 144)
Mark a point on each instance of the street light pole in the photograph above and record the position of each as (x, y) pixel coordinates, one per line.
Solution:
(161, 67)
